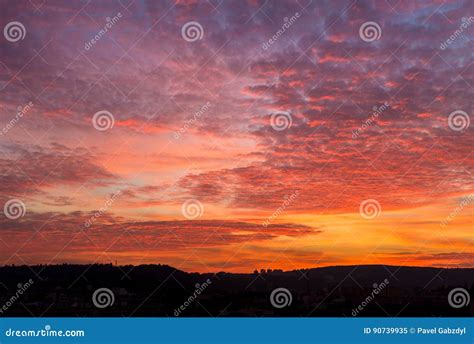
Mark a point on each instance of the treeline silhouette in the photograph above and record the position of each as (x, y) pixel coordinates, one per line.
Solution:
(159, 290)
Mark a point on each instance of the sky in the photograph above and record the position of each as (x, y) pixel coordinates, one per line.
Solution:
(237, 135)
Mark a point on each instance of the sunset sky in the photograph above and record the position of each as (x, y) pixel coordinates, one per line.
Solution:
(247, 146)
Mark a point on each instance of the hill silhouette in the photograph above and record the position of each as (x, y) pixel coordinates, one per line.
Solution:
(161, 290)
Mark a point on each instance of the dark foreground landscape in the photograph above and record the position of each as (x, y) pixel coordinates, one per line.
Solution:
(160, 290)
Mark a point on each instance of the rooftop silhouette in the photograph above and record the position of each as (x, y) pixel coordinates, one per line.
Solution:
(161, 290)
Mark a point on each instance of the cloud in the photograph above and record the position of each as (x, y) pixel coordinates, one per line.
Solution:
(44, 234)
(336, 152)
(30, 170)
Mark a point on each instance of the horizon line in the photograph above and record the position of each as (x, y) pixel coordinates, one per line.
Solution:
(267, 270)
